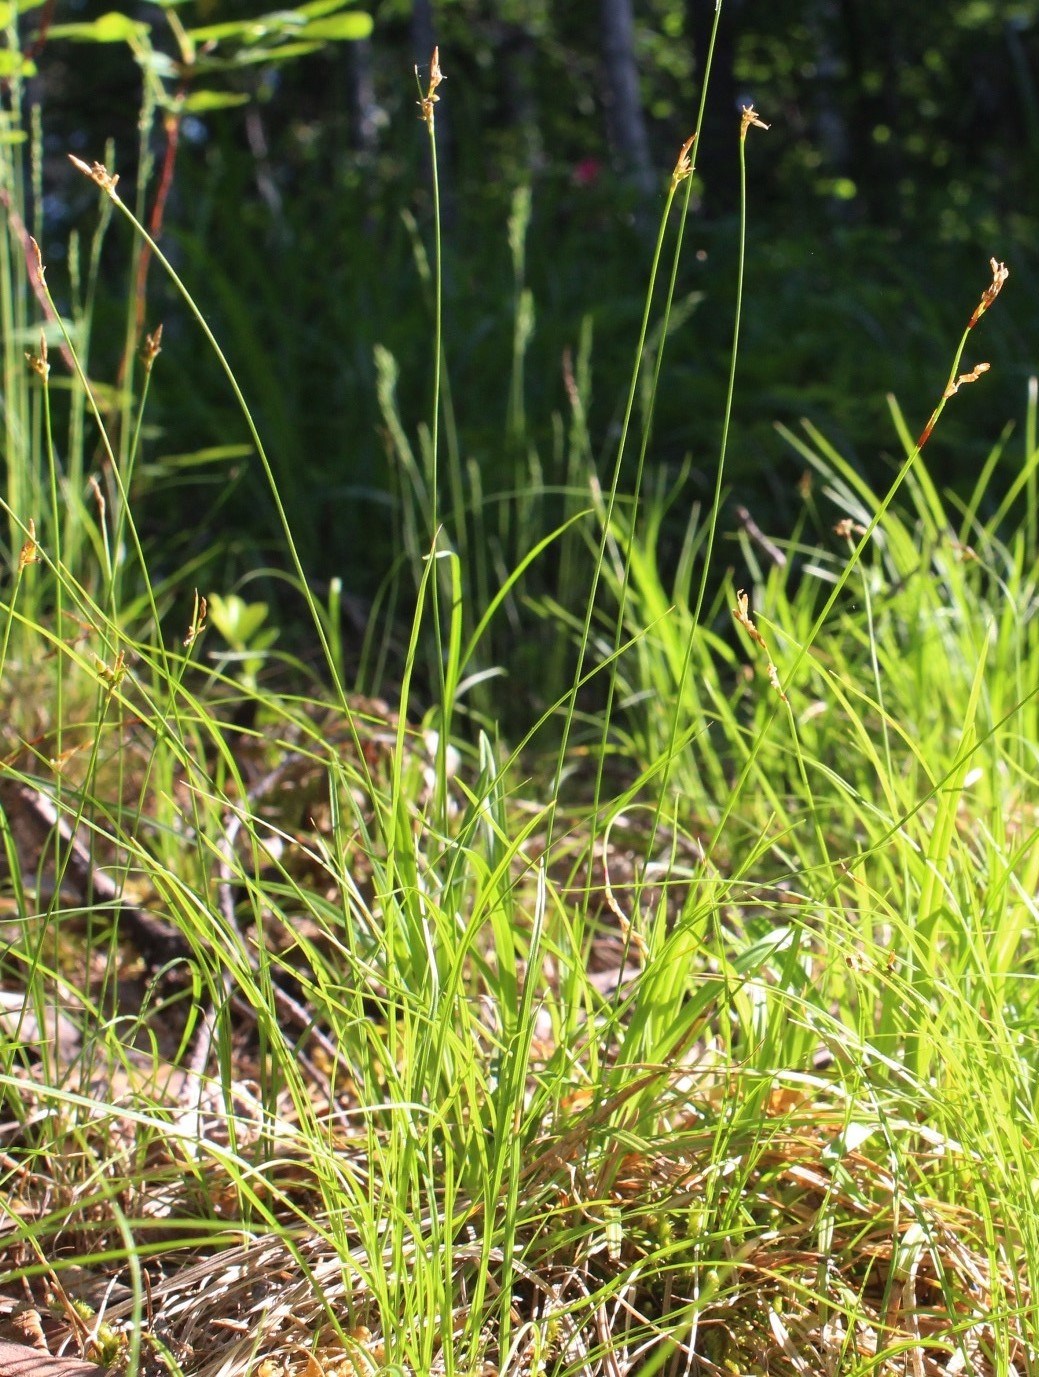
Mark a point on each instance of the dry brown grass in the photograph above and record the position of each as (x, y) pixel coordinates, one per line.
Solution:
(832, 1265)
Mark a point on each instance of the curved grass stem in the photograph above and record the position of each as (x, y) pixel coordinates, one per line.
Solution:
(682, 174)
(107, 183)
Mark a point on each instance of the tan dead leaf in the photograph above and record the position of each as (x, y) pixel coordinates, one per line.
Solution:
(19, 1360)
(26, 1326)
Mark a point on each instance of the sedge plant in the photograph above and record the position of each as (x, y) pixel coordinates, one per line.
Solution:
(430, 1068)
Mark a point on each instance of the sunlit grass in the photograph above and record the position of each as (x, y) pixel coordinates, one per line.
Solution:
(691, 1031)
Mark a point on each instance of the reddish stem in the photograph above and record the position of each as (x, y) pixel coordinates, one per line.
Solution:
(155, 222)
(39, 42)
(34, 268)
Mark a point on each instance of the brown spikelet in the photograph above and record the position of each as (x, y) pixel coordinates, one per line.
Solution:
(151, 348)
(97, 172)
(430, 99)
(684, 165)
(1000, 273)
(964, 378)
(198, 619)
(30, 552)
(99, 498)
(742, 614)
(35, 260)
(750, 117)
(38, 362)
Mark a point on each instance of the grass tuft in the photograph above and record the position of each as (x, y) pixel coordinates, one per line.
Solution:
(688, 1028)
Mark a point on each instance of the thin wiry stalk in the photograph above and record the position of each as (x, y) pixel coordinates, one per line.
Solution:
(748, 120)
(427, 105)
(805, 645)
(683, 172)
(956, 380)
(107, 185)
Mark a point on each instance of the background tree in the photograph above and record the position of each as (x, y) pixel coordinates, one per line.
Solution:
(900, 155)
(622, 96)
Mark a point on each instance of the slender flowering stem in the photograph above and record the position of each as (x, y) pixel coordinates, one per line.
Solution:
(1000, 273)
(681, 174)
(108, 184)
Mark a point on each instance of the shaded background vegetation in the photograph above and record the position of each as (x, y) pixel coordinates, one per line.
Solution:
(897, 163)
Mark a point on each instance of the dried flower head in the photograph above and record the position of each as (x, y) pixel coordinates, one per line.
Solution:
(436, 76)
(38, 362)
(750, 117)
(742, 614)
(111, 675)
(99, 498)
(198, 620)
(964, 378)
(34, 258)
(684, 165)
(30, 552)
(1000, 273)
(151, 348)
(97, 172)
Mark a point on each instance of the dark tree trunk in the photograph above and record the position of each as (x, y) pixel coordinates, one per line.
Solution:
(830, 77)
(366, 118)
(517, 50)
(626, 124)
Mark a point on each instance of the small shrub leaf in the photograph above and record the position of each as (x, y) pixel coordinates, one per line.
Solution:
(107, 28)
(201, 101)
(339, 28)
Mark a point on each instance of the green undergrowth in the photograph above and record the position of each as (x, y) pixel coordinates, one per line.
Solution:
(688, 1027)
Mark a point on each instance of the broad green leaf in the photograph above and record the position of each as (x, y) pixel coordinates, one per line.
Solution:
(318, 22)
(200, 101)
(245, 30)
(317, 9)
(340, 27)
(279, 54)
(107, 28)
(251, 30)
(7, 13)
(13, 63)
(240, 622)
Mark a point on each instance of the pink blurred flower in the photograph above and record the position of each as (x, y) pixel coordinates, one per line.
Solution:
(586, 172)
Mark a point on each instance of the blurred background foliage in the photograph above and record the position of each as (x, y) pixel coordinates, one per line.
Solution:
(298, 208)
